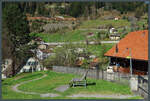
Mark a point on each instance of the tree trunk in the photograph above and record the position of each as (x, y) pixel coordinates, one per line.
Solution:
(13, 61)
(13, 67)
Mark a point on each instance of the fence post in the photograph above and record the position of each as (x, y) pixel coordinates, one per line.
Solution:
(102, 74)
(138, 81)
(142, 83)
(133, 83)
(114, 76)
(119, 76)
(97, 71)
(106, 75)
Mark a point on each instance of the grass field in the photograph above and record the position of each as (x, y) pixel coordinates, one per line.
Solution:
(77, 34)
(7, 92)
(70, 36)
(61, 37)
(96, 49)
(53, 80)
(96, 23)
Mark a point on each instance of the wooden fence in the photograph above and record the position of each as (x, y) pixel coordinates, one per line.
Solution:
(113, 77)
(143, 86)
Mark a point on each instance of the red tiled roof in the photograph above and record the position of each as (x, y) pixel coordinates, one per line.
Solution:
(136, 41)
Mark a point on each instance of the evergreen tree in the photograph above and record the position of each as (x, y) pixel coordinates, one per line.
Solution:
(17, 30)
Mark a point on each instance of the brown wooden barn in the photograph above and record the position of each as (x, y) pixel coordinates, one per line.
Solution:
(134, 46)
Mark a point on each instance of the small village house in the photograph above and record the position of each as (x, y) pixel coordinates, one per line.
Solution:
(6, 68)
(134, 46)
(115, 36)
(32, 65)
(43, 54)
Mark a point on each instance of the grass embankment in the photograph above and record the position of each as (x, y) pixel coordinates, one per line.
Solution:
(97, 23)
(97, 49)
(7, 92)
(79, 35)
(53, 80)
(70, 36)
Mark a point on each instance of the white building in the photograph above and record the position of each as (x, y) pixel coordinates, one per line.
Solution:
(42, 46)
(111, 30)
(92, 56)
(79, 50)
(43, 54)
(6, 66)
(114, 36)
(39, 54)
(116, 18)
(81, 58)
(32, 65)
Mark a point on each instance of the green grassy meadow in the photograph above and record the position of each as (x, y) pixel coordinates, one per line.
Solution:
(96, 23)
(96, 49)
(53, 80)
(77, 34)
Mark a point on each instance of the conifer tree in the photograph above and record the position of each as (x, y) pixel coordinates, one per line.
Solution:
(17, 31)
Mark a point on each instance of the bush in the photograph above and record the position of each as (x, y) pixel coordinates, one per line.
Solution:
(124, 17)
(102, 35)
(65, 56)
(123, 35)
(109, 26)
(49, 62)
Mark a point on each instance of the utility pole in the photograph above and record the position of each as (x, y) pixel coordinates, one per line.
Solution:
(130, 62)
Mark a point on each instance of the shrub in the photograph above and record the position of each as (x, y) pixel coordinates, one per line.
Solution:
(102, 35)
(109, 26)
(124, 17)
(65, 56)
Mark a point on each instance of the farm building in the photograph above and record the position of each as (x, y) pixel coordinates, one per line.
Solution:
(115, 36)
(135, 47)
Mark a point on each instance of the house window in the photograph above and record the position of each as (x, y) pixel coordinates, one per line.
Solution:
(29, 63)
(6, 62)
(36, 63)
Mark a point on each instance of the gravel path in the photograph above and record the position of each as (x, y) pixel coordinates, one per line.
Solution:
(16, 78)
(102, 96)
(63, 88)
(15, 88)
